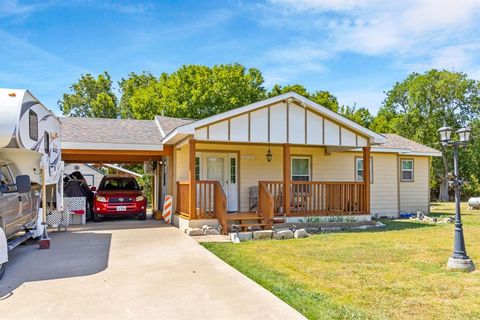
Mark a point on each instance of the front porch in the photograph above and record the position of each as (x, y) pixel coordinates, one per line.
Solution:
(276, 200)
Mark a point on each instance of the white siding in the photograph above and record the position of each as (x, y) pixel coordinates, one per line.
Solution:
(314, 128)
(201, 134)
(348, 138)
(332, 133)
(259, 125)
(278, 123)
(239, 128)
(362, 142)
(296, 124)
(219, 131)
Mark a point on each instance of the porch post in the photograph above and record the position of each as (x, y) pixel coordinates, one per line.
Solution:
(287, 175)
(191, 177)
(366, 177)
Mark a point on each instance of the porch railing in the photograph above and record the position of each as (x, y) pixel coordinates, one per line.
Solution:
(210, 202)
(266, 202)
(308, 198)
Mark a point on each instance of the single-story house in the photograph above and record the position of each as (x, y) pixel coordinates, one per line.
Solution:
(281, 159)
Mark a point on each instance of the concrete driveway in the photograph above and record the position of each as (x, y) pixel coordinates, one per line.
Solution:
(130, 270)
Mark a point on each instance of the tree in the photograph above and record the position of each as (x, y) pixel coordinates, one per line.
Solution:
(361, 115)
(323, 98)
(193, 91)
(416, 107)
(90, 97)
(128, 89)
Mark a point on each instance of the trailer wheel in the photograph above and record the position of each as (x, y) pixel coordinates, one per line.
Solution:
(3, 266)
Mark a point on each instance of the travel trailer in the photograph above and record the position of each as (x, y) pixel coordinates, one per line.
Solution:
(30, 161)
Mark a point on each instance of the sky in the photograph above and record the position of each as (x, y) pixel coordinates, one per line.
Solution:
(356, 49)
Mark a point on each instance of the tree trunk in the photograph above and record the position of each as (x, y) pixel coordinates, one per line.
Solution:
(443, 193)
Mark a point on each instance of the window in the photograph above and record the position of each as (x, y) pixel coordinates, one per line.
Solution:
(33, 125)
(46, 142)
(233, 170)
(7, 184)
(300, 168)
(406, 166)
(197, 168)
(359, 170)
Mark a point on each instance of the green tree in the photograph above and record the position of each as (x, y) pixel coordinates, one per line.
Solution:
(129, 88)
(323, 98)
(193, 91)
(361, 116)
(416, 107)
(90, 97)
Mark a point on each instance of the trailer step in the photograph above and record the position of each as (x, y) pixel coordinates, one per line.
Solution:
(19, 240)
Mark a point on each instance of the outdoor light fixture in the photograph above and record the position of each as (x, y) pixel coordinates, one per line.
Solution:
(464, 134)
(269, 155)
(445, 133)
(459, 259)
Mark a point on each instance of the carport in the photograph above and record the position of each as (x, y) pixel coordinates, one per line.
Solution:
(122, 141)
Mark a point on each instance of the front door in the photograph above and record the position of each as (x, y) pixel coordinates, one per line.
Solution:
(222, 167)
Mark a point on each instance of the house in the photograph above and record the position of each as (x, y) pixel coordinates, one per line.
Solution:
(281, 159)
(92, 174)
(299, 159)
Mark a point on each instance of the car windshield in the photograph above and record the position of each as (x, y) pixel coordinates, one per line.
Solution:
(119, 184)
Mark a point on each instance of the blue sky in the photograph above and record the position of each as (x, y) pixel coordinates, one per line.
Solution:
(357, 49)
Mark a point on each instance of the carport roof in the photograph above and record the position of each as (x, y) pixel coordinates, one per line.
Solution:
(109, 131)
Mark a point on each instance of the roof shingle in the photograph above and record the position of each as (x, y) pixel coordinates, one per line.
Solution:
(394, 141)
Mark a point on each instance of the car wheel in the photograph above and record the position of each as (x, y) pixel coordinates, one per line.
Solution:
(96, 218)
(3, 266)
(143, 216)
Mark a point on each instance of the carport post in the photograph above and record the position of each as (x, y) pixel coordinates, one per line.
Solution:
(193, 189)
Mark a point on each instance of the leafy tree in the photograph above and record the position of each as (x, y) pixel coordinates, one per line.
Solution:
(90, 97)
(323, 98)
(361, 116)
(129, 88)
(416, 107)
(193, 91)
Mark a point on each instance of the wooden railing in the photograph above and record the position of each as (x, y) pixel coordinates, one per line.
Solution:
(309, 198)
(183, 194)
(211, 201)
(220, 206)
(266, 205)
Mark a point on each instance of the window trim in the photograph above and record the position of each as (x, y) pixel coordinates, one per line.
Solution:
(46, 142)
(309, 158)
(32, 136)
(356, 170)
(412, 170)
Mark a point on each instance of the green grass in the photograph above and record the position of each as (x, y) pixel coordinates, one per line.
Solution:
(397, 273)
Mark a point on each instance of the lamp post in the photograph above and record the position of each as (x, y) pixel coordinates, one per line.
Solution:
(459, 259)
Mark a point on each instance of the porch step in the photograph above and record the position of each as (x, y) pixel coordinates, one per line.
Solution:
(245, 226)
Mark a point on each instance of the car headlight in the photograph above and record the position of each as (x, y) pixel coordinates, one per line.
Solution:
(139, 198)
(101, 199)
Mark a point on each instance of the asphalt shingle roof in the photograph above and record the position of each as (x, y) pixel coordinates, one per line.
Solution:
(394, 141)
(121, 131)
(169, 124)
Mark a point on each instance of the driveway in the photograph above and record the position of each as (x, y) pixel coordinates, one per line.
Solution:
(130, 270)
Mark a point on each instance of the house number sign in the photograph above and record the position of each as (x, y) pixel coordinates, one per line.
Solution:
(248, 157)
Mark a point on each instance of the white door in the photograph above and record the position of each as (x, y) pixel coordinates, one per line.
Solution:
(222, 167)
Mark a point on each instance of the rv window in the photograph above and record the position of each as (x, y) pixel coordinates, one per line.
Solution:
(46, 142)
(33, 125)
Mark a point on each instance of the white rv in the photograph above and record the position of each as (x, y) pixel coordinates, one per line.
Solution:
(29, 142)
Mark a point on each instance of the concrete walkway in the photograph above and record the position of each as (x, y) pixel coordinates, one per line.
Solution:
(130, 270)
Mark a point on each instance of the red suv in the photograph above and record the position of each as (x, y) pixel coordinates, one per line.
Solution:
(119, 196)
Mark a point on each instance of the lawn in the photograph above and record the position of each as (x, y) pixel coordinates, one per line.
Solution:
(398, 273)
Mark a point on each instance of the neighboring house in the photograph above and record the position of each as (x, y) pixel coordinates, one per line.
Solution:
(283, 158)
(91, 174)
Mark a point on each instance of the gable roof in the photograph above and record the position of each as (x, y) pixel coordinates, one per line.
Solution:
(189, 128)
(168, 124)
(396, 143)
